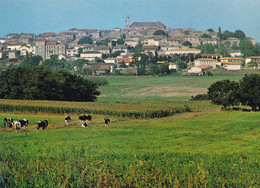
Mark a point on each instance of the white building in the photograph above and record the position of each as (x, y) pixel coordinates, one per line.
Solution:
(205, 61)
(91, 55)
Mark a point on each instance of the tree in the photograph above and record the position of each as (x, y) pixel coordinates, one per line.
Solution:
(250, 91)
(239, 34)
(207, 49)
(205, 36)
(210, 30)
(42, 83)
(85, 40)
(246, 47)
(224, 92)
(160, 32)
(187, 43)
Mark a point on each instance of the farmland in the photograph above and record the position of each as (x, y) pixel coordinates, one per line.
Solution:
(203, 148)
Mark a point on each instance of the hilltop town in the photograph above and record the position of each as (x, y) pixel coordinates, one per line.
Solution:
(141, 47)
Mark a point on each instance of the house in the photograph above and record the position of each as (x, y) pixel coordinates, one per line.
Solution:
(131, 42)
(3, 54)
(99, 69)
(91, 55)
(54, 48)
(102, 49)
(63, 56)
(253, 61)
(180, 51)
(111, 60)
(172, 65)
(205, 61)
(13, 47)
(151, 49)
(212, 56)
(40, 47)
(2, 40)
(195, 41)
(26, 49)
(235, 53)
(201, 70)
(233, 65)
(12, 54)
(120, 48)
(128, 59)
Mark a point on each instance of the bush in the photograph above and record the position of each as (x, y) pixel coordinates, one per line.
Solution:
(200, 97)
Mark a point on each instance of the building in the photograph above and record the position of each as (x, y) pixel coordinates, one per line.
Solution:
(205, 61)
(231, 63)
(201, 70)
(40, 47)
(26, 49)
(54, 48)
(172, 65)
(147, 26)
(91, 55)
(253, 61)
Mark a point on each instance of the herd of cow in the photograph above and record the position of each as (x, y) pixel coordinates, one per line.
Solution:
(43, 124)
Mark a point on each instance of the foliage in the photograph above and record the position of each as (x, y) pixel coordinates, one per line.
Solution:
(187, 43)
(160, 32)
(239, 34)
(207, 49)
(120, 41)
(210, 30)
(44, 83)
(200, 97)
(99, 81)
(250, 91)
(224, 92)
(85, 40)
(103, 42)
(31, 60)
(205, 36)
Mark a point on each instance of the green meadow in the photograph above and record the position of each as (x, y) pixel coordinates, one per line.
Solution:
(203, 148)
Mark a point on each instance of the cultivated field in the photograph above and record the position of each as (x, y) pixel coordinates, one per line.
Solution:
(203, 148)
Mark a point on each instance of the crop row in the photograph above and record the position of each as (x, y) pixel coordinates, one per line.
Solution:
(67, 110)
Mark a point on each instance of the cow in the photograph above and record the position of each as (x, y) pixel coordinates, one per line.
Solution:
(67, 119)
(107, 121)
(16, 125)
(42, 124)
(8, 121)
(24, 122)
(84, 125)
(85, 117)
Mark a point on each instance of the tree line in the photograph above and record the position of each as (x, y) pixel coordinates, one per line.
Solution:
(231, 93)
(43, 83)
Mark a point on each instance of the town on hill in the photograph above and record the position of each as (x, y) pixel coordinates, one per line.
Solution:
(140, 48)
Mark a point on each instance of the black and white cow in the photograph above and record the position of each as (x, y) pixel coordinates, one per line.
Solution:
(84, 125)
(16, 125)
(67, 119)
(24, 122)
(8, 121)
(42, 124)
(107, 121)
(85, 117)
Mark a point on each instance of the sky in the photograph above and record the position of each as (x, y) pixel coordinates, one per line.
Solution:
(38, 16)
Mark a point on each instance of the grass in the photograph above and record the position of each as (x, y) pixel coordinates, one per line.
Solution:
(129, 88)
(186, 151)
(203, 148)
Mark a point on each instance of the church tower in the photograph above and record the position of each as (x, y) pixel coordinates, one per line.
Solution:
(127, 22)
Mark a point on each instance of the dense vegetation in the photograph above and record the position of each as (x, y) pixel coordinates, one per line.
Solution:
(231, 93)
(42, 83)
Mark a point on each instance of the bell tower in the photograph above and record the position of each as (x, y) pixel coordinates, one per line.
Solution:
(127, 22)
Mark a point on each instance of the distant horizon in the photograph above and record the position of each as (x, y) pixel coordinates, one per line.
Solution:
(30, 16)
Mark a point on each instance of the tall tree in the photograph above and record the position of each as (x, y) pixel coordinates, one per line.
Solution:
(250, 91)
(85, 40)
(224, 92)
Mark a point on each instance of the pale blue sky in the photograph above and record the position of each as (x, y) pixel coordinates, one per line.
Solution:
(37, 16)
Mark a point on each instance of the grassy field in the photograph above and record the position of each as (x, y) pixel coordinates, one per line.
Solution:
(186, 150)
(158, 88)
(203, 148)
